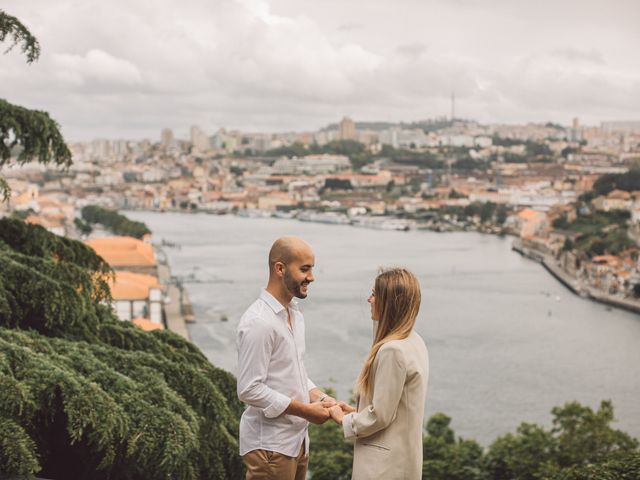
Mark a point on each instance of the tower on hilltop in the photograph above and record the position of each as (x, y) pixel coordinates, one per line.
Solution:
(453, 106)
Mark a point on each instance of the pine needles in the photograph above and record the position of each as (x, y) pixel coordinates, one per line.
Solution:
(84, 395)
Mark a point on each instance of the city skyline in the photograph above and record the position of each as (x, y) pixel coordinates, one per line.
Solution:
(124, 70)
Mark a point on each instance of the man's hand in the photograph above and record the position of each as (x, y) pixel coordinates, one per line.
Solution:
(312, 412)
(317, 413)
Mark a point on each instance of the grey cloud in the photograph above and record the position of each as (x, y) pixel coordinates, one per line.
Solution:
(412, 50)
(575, 54)
(349, 27)
(124, 67)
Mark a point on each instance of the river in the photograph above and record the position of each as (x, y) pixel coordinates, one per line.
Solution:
(506, 341)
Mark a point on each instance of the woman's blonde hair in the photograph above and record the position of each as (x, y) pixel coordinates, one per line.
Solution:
(397, 301)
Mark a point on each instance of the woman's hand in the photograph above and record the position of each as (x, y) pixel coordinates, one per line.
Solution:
(336, 414)
(346, 408)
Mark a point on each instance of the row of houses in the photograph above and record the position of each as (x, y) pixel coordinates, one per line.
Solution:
(137, 293)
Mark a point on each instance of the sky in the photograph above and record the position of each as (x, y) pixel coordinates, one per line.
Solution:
(128, 68)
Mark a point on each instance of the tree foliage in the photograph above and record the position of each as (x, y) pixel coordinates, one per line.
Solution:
(117, 223)
(628, 181)
(86, 396)
(11, 27)
(601, 232)
(580, 445)
(448, 458)
(32, 133)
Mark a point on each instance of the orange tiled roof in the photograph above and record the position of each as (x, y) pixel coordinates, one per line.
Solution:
(132, 286)
(619, 194)
(146, 324)
(124, 251)
(605, 259)
(528, 214)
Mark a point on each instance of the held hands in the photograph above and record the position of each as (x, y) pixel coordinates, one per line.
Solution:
(339, 410)
(320, 411)
(317, 412)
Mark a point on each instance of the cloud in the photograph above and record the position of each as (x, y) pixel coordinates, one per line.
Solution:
(349, 27)
(135, 67)
(95, 68)
(550, 83)
(412, 49)
(575, 54)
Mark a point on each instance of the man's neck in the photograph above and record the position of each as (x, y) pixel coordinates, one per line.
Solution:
(283, 297)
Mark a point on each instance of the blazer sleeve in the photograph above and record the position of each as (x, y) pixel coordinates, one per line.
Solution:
(388, 384)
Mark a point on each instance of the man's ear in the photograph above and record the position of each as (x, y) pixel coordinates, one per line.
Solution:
(279, 268)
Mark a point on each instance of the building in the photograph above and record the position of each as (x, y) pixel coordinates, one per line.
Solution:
(199, 140)
(529, 223)
(311, 165)
(126, 253)
(136, 296)
(615, 200)
(166, 138)
(347, 129)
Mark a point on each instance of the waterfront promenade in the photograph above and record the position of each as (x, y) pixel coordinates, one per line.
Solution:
(173, 308)
(575, 285)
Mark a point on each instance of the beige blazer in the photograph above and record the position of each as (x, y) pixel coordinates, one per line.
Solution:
(388, 423)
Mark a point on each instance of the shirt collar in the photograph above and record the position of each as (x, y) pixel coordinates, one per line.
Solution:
(275, 305)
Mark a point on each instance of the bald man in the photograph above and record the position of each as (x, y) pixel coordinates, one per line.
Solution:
(281, 399)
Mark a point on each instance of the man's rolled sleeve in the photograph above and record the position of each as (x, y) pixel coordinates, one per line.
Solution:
(255, 344)
(278, 405)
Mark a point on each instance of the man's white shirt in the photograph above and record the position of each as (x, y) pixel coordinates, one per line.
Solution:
(271, 373)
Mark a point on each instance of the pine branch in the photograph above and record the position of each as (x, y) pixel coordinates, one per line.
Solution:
(12, 27)
(34, 132)
(36, 135)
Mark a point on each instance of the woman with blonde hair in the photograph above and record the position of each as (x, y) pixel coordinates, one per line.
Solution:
(392, 386)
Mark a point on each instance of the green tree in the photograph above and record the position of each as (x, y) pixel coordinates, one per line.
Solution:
(628, 181)
(626, 467)
(111, 219)
(561, 222)
(487, 211)
(501, 214)
(579, 438)
(584, 436)
(26, 135)
(525, 455)
(84, 395)
(448, 458)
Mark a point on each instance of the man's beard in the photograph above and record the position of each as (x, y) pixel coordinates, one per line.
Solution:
(294, 287)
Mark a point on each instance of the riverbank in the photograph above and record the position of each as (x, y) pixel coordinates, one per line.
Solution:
(574, 284)
(177, 307)
(374, 222)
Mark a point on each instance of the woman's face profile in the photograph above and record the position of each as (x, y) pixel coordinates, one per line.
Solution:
(372, 303)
